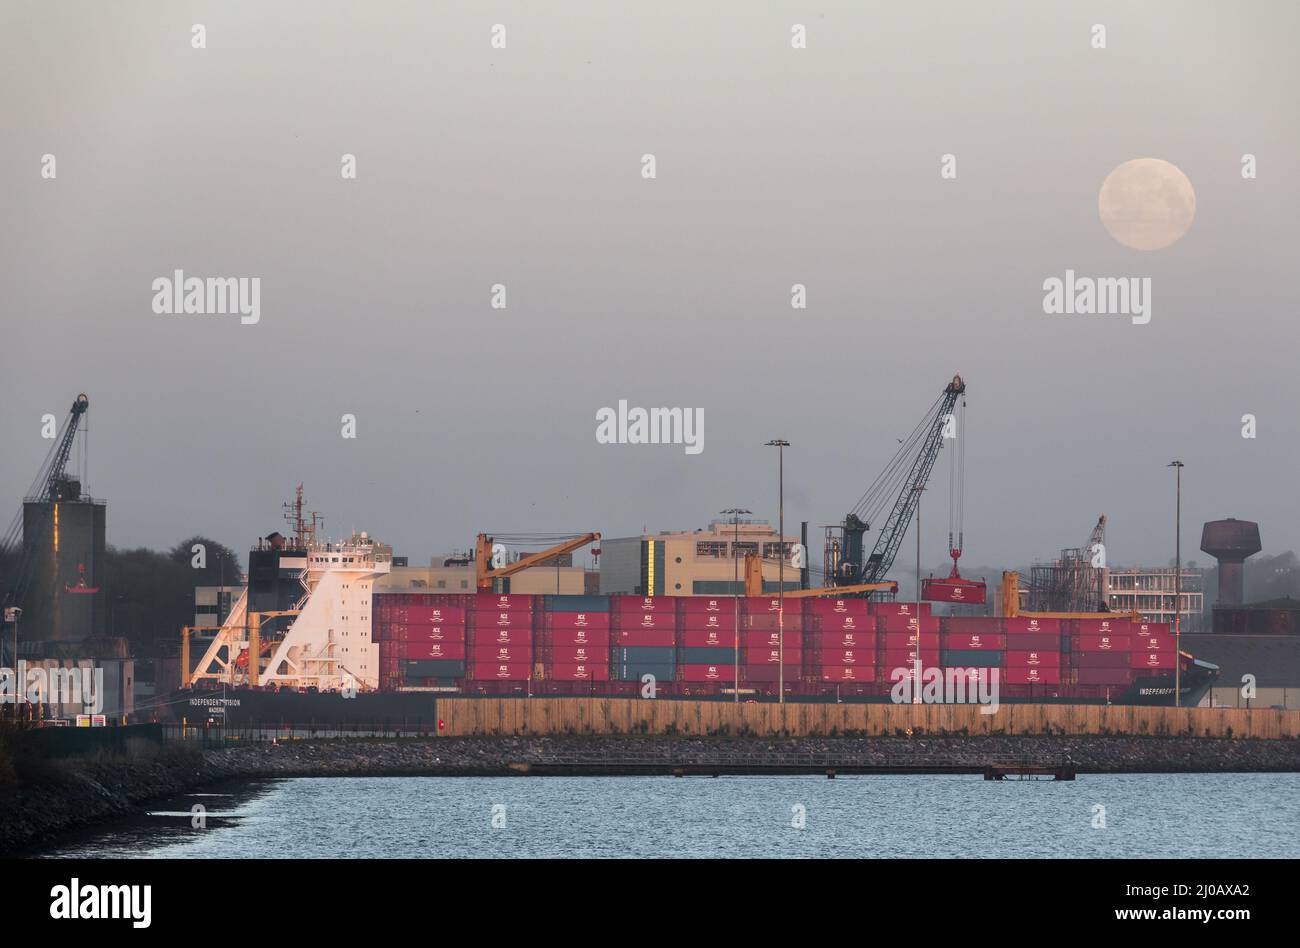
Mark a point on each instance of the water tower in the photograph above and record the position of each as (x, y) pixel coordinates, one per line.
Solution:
(1230, 542)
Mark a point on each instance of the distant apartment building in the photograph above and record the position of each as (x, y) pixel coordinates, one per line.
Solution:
(701, 562)
(1150, 592)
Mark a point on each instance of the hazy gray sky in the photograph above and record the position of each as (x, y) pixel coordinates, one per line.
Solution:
(522, 166)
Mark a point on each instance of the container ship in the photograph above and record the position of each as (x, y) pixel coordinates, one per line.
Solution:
(330, 652)
(311, 642)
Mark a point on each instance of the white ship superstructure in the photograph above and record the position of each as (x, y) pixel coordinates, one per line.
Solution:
(327, 642)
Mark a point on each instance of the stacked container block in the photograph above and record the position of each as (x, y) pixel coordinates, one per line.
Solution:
(421, 640)
(700, 646)
(500, 637)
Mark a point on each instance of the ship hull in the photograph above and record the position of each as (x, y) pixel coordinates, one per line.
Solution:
(418, 710)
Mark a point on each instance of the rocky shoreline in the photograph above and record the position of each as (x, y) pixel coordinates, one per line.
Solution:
(59, 796)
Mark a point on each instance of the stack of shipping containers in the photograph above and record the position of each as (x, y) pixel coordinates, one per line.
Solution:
(906, 636)
(708, 631)
(840, 645)
(421, 640)
(500, 637)
(1154, 649)
(971, 642)
(834, 648)
(761, 653)
(1033, 651)
(1099, 651)
(573, 643)
(645, 637)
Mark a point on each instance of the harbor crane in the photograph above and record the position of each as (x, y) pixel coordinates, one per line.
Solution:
(899, 487)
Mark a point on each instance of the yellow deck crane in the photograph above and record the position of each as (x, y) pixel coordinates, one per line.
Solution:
(754, 584)
(485, 574)
(1011, 605)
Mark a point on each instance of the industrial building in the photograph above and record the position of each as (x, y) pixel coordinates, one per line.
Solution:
(701, 562)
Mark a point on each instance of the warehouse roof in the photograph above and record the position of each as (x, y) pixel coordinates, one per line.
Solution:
(1274, 660)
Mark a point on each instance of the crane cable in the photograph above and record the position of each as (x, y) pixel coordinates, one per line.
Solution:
(957, 483)
(892, 480)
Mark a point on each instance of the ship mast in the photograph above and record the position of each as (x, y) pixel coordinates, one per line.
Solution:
(304, 531)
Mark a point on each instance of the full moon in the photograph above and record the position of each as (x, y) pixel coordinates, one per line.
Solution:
(1146, 204)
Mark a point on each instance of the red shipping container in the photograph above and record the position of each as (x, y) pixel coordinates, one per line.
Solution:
(893, 640)
(1100, 643)
(1151, 628)
(500, 653)
(511, 602)
(422, 633)
(696, 605)
(431, 615)
(577, 620)
(645, 620)
(1036, 641)
(636, 638)
(595, 671)
(750, 639)
(597, 638)
(848, 673)
(503, 671)
(899, 657)
(455, 651)
(1033, 675)
(897, 623)
(846, 639)
(707, 638)
(845, 656)
(843, 623)
(836, 607)
(770, 623)
(724, 673)
(500, 620)
(1099, 659)
(974, 625)
(1116, 626)
(628, 605)
(387, 600)
(768, 673)
(578, 655)
(702, 621)
(1155, 637)
(1154, 643)
(757, 605)
(498, 636)
(899, 608)
(1105, 676)
(1151, 660)
(772, 656)
(972, 640)
(1029, 626)
(1032, 658)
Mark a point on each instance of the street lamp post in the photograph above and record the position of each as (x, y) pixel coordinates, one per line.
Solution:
(1178, 576)
(735, 513)
(780, 446)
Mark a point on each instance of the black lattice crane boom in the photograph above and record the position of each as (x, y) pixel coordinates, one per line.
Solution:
(902, 480)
